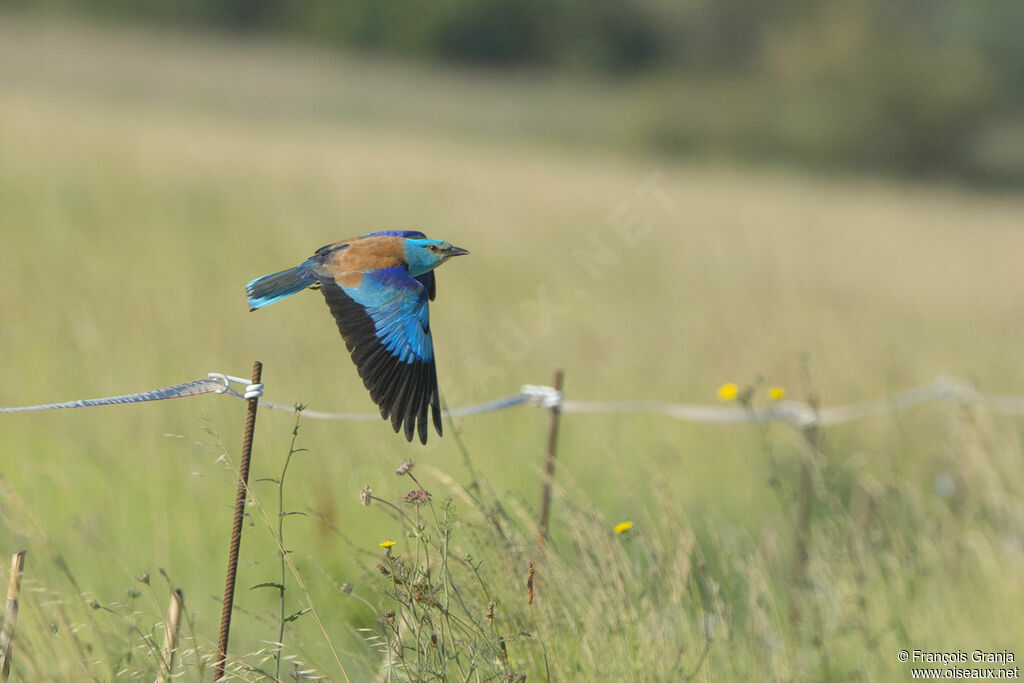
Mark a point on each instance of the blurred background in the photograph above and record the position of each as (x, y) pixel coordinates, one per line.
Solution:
(659, 197)
(912, 88)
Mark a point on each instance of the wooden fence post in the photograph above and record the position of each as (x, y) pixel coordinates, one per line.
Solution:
(549, 468)
(805, 508)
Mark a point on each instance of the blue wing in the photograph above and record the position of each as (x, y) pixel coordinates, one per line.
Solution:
(385, 322)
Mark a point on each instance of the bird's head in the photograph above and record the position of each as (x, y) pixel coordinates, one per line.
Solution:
(423, 255)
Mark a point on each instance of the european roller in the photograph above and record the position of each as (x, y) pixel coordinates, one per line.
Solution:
(377, 287)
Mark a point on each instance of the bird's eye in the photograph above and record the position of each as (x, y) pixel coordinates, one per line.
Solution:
(433, 247)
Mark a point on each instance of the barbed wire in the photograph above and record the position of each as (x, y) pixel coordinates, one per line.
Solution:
(799, 414)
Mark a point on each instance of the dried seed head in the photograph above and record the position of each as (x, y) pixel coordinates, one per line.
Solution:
(529, 583)
(490, 611)
(365, 495)
(433, 639)
(405, 468)
(390, 616)
(504, 651)
(345, 588)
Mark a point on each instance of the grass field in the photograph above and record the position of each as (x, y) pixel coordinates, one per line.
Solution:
(144, 179)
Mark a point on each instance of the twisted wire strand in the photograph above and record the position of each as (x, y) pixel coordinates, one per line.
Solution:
(797, 413)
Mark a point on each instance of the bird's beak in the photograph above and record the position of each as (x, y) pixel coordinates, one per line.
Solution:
(457, 251)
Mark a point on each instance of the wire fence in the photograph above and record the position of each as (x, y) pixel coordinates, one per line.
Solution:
(799, 414)
(802, 416)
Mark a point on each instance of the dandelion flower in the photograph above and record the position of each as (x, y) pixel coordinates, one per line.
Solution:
(623, 527)
(728, 392)
(776, 393)
(386, 544)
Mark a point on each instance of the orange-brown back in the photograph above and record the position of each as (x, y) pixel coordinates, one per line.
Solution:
(349, 259)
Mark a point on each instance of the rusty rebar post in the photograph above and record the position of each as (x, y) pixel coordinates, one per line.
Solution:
(549, 468)
(236, 529)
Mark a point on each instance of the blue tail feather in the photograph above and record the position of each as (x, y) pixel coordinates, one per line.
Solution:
(268, 289)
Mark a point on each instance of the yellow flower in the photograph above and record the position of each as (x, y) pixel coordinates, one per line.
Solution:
(386, 544)
(623, 527)
(776, 393)
(728, 392)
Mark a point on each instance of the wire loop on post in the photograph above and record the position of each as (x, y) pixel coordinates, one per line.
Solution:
(253, 391)
(539, 395)
(223, 379)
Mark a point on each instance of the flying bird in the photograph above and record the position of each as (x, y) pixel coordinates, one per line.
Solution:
(377, 287)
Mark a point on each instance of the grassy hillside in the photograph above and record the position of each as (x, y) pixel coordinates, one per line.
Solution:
(144, 180)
